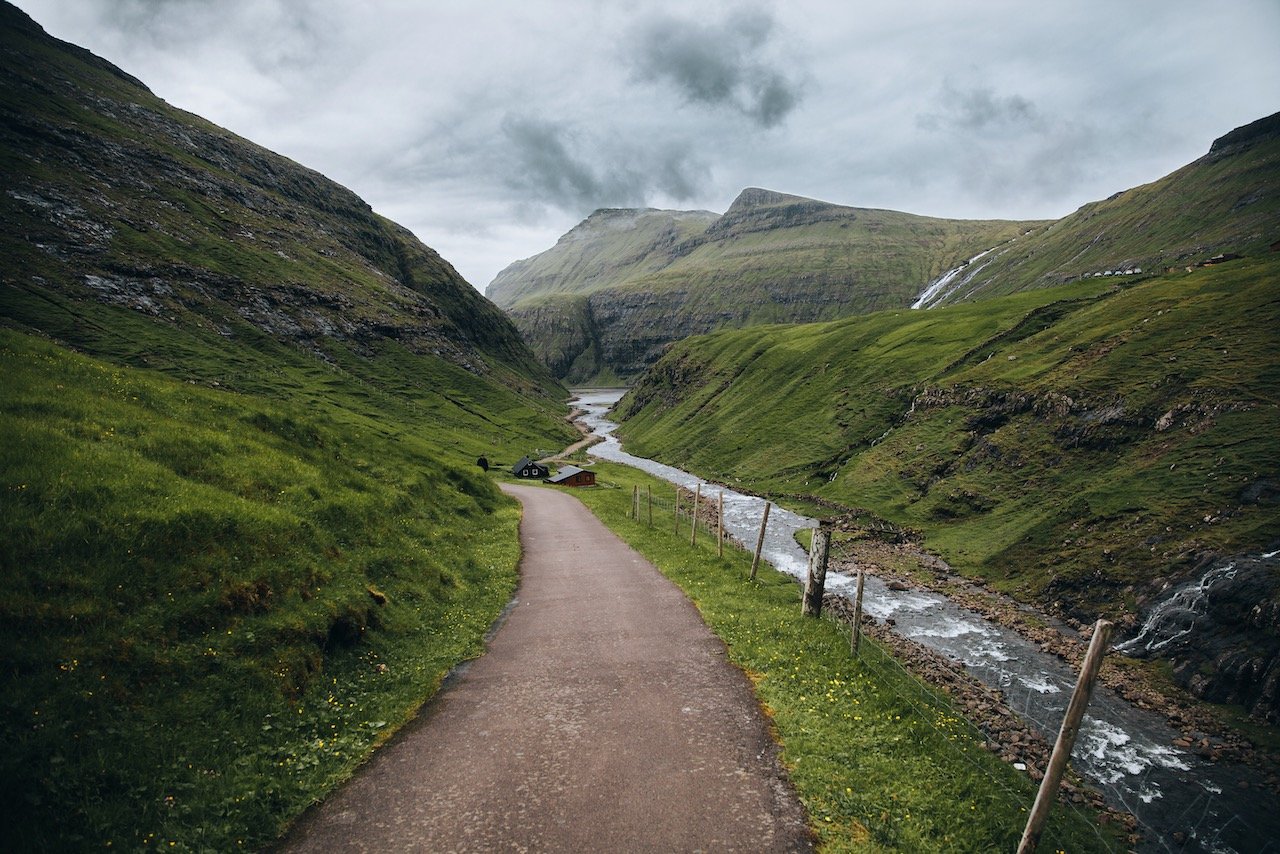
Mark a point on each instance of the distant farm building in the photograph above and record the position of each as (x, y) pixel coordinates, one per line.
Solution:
(530, 469)
(573, 476)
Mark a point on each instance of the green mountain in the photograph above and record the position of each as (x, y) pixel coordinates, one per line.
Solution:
(615, 291)
(1223, 203)
(243, 532)
(1082, 447)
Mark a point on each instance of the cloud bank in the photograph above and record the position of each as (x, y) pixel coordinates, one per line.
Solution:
(491, 129)
(725, 65)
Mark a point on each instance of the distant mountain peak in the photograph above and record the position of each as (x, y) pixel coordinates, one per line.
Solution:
(756, 197)
(757, 209)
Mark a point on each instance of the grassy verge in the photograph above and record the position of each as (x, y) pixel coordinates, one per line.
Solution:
(881, 761)
(215, 603)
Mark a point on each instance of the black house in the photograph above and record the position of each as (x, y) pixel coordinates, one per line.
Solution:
(528, 468)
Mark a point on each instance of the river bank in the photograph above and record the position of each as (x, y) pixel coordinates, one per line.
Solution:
(904, 566)
(1182, 797)
(1202, 729)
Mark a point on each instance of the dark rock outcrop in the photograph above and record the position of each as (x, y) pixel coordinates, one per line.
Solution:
(1222, 634)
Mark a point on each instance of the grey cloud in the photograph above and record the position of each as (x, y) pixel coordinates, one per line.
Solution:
(277, 36)
(979, 110)
(1003, 149)
(722, 65)
(553, 164)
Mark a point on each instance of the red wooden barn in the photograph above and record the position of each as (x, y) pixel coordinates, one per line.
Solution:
(573, 476)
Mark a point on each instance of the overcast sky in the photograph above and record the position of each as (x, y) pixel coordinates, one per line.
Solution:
(491, 128)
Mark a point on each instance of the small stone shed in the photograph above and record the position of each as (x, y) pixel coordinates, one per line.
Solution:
(573, 476)
(530, 469)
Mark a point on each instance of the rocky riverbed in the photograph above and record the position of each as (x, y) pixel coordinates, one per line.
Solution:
(1202, 729)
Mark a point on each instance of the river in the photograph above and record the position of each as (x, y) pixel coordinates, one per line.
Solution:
(1125, 751)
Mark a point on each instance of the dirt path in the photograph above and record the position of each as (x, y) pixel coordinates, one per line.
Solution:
(603, 717)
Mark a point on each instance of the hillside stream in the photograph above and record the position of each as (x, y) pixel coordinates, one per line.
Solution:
(1182, 801)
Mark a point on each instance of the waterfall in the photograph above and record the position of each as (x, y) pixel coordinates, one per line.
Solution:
(1175, 616)
(941, 287)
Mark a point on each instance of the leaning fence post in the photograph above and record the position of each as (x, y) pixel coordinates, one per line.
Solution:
(697, 500)
(1066, 737)
(720, 525)
(815, 582)
(764, 523)
(857, 615)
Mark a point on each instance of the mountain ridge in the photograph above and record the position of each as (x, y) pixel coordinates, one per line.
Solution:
(771, 257)
(184, 218)
(776, 257)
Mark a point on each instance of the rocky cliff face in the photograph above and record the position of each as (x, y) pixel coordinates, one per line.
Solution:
(1221, 632)
(111, 194)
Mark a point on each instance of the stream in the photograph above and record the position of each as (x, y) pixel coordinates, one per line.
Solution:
(1182, 801)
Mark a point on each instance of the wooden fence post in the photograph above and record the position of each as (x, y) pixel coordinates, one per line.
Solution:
(857, 615)
(764, 523)
(1066, 737)
(697, 500)
(648, 496)
(815, 582)
(720, 525)
(635, 501)
(677, 513)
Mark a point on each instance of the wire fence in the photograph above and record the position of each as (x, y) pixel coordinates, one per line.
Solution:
(681, 511)
(965, 739)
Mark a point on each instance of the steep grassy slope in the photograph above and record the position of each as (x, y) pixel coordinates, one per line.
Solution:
(623, 285)
(1224, 202)
(112, 194)
(243, 535)
(1078, 446)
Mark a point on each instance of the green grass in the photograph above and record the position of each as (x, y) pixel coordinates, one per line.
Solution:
(1019, 434)
(217, 600)
(243, 534)
(1215, 204)
(880, 761)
